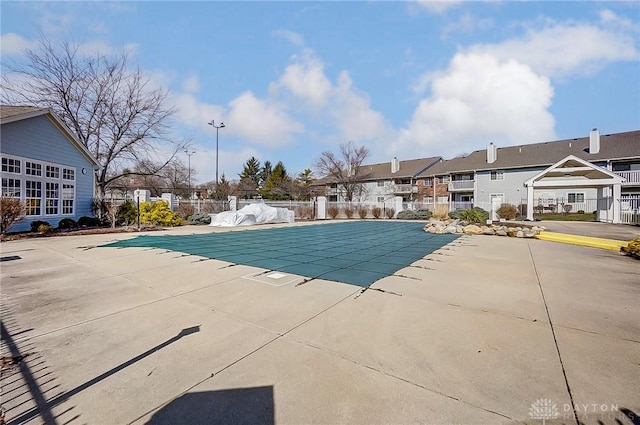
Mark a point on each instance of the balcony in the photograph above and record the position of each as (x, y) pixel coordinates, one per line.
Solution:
(404, 188)
(632, 177)
(462, 186)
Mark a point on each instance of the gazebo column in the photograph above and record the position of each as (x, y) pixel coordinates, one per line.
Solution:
(530, 202)
(617, 190)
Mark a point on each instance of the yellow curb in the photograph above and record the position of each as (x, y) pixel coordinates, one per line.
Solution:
(610, 244)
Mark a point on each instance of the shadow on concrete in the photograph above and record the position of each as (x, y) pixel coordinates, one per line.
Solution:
(25, 379)
(43, 408)
(235, 406)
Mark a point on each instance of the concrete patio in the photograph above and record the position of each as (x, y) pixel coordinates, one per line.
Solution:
(478, 332)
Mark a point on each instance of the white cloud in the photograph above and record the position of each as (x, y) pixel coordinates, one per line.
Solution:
(467, 24)
(353, 115)
(229, 161)
(261, 121)
(339, 105)
(292, 37)
(560, 50)
(305, 79)
(194, 113)
(12, 44)
(438, 6)
(191, 84)
(476, 100)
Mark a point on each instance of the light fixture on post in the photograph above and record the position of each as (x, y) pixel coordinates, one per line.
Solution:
(217, 127)
(189, 153)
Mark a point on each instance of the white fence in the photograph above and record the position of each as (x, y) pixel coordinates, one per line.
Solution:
(307, 210)
(630, 209)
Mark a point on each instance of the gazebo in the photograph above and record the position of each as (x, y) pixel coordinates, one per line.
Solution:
(573, 172)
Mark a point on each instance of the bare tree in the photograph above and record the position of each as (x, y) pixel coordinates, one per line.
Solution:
(112, 109)
(345, 169)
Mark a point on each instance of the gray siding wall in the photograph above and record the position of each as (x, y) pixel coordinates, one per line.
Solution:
(38, 138)
(512, 186)
(515, 192)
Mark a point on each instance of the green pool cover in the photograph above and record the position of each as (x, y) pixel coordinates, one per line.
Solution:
(357, 253)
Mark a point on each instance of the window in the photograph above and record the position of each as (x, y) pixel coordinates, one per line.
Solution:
(428, 199)
(33, 197)
(575, 197)
(380, 183)
(497, 175)
(443, 199)
(46, 189)
(32, 168)
(53, 172)
(428, 181)
(380, 198)
(67, 198)
(11, 187)
(11, 165)
(68, 174)
(51, 198)
(444, 179)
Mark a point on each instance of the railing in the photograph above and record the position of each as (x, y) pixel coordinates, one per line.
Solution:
(632, 177)
(404, 188)
(461, 185)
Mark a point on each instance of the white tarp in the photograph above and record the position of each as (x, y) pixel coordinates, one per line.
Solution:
(252, 214)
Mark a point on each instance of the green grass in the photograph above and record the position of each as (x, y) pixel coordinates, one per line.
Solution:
(566, 217)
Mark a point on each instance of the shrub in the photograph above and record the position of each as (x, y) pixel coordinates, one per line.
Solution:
(474, 215)
(348, 211)
(100, 209)
(185, 210)
(45, 228)
(85, 221)
(414, 215)
(127, 214)
(507, 211)
(362, 212)
(580, 211)
(423, 214)
(633, 248)
(376, 212)
(199, 218)
(390, 212)
(407, 215)
(539, 208)
(567, 208)
(12, 211)
(333, 212)
(306, 213)
(67, 223)
(158, 213)
(35, 225)
(441, 212)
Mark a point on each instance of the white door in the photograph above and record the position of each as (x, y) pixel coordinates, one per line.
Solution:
(496, 201)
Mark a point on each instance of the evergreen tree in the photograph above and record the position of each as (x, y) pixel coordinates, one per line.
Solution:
(278, 184)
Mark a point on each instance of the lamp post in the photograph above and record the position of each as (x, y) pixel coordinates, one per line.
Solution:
(189, 153)
(217, 127)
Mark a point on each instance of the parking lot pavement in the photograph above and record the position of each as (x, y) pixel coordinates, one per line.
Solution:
(477, 332)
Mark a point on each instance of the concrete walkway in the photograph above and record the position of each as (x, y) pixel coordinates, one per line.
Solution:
(475, 333)
(621, 232)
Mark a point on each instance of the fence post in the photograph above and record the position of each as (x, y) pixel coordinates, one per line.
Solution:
(398, 202)
(322, 208)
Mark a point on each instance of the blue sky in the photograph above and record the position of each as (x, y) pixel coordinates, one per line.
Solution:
(406, 79)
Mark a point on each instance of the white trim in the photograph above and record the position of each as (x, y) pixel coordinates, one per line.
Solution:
(614, 178)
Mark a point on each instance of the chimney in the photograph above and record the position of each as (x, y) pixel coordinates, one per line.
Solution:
(594, 141)
(492, 153)
(395, 165)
